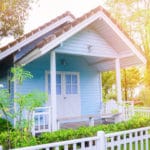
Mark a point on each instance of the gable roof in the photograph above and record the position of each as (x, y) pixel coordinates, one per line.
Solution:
(32, 35)
(68, 28)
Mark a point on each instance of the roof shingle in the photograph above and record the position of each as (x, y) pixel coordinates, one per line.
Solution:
(65, 28)
(23, 37)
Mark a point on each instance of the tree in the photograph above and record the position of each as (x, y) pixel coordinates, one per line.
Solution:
(108, 80)
(13, 14)
(5, 109)
(133, 16)
(130, 80)
(26, 102)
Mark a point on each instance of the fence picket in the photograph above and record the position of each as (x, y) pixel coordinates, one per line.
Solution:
(74, 146)
(131, 139)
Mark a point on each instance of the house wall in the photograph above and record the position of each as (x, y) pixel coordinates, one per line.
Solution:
(89, 79)
(5, 80)
(89, 76)
(87, 42)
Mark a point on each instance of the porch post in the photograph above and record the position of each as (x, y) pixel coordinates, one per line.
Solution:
(118, 80)
(53, 90)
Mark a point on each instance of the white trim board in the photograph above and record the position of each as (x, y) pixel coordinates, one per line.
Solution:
(79, 27)
(123, 37)
(33, 37)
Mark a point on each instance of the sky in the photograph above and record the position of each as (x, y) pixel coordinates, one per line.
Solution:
(44, 10)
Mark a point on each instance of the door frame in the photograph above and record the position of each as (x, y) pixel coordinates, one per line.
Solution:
(63, 94)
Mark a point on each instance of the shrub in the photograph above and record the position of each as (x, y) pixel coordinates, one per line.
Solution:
(15, 140)
(4, 124)
(68, 134)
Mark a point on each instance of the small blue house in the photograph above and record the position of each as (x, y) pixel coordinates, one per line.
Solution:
(66, 57)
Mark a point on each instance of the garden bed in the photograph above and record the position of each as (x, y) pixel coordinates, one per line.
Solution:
(26, 139)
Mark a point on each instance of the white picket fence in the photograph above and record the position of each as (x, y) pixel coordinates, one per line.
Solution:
(136, 139)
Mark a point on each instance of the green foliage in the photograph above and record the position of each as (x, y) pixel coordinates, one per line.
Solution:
(28, 102)
(68, 134)
(13, 14)
(4, 125)
(133, 16)
(131, 78)
(19, 74)
(5, 109)
(4, 101)
(144, 96)
(108, 80)
(24, 102)
(35, 99)
(15, 140)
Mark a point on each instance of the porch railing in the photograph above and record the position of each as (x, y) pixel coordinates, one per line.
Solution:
(41, 120)
(42, 116)
(136, 139)
(128, 110)
(142, 111)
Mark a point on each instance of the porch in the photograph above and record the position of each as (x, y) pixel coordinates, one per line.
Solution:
(42, 118)
(74, 90)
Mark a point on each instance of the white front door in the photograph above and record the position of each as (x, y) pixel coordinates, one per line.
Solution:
(68, 93)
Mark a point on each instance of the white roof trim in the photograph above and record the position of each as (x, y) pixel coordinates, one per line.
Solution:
(123, 37)
(33, 37)
(31, 56)
(79, 27)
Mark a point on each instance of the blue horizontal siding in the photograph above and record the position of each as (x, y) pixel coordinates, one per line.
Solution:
(89, 76)
(89, 79)
(79, 43)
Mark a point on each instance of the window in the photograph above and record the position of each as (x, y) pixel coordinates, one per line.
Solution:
(71, 84)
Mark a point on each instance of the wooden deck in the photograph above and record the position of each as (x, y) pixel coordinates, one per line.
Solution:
(90, 120)
(75, 125)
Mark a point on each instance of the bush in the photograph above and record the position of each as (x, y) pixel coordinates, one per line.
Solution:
(4, 125)
(27, 139)
(68, 134)
(15, 140)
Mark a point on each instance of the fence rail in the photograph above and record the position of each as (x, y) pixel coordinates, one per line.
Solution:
(91, 143)
(136, 139)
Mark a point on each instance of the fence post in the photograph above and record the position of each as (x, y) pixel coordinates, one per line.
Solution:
(1, 148)
(101, 143)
